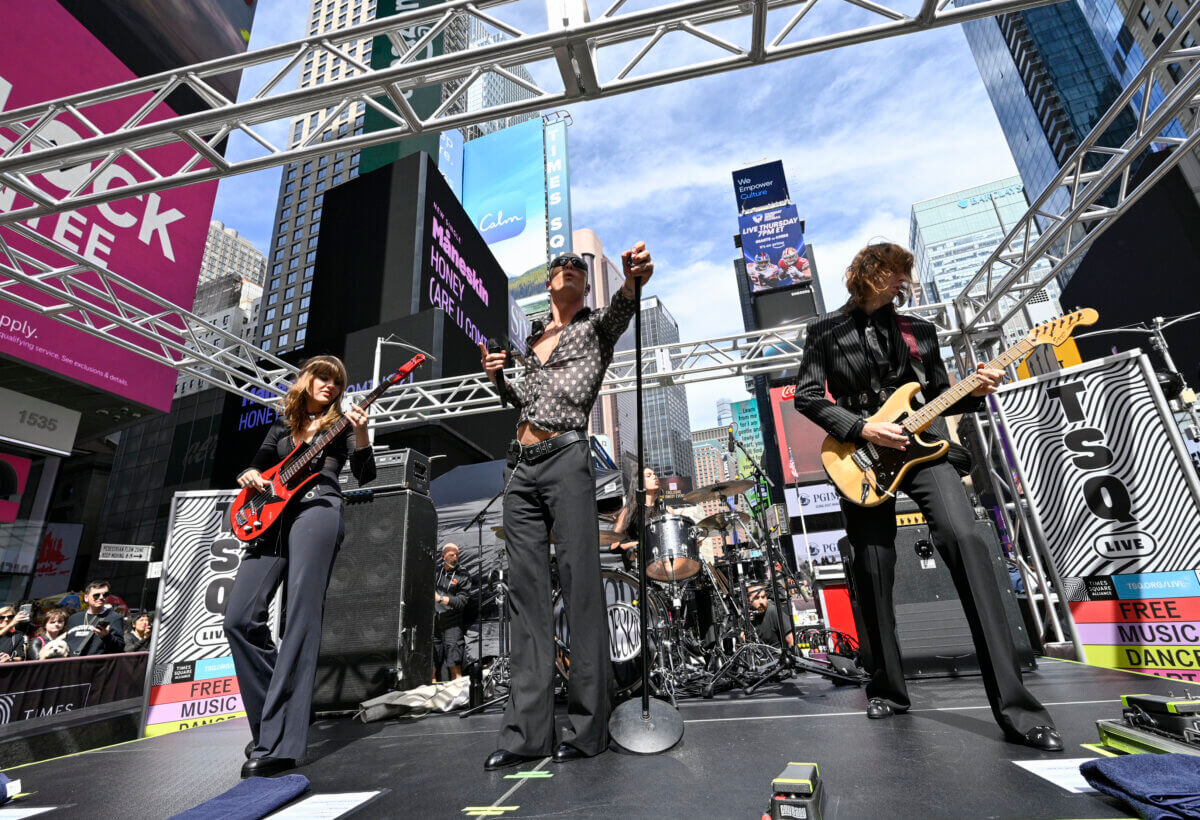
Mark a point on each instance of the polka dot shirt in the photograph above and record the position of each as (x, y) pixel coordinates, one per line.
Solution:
(558, 395)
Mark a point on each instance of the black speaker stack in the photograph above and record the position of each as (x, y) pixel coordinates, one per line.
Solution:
(934, 636)
(377, 634)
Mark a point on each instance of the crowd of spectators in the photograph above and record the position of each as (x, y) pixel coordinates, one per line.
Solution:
(96, 629)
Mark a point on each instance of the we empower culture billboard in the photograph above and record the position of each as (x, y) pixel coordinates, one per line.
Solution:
(154, 240)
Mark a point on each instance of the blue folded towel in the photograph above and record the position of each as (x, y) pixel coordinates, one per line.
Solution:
(1157, 787)
(252, 799)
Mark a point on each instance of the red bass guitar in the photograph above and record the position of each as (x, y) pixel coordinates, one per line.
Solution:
(254, 511)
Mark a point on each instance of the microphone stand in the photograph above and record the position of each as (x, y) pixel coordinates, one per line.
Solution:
(657, 725)
(476, 697)
(789, 658)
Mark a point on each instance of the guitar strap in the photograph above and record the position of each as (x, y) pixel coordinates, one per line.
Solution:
(910, 339)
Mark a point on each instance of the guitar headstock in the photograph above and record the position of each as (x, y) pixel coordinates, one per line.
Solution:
(1057, 331)
(406, 368)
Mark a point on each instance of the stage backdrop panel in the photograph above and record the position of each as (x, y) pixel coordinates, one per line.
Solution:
(1106, 472)
(192, 680)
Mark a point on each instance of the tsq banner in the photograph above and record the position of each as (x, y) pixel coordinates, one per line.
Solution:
(1103, 466)
(192, 680)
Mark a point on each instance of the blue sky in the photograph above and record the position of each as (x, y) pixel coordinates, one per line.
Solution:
(863, 132)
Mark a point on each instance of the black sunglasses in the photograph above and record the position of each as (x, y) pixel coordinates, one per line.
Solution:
(568, 259)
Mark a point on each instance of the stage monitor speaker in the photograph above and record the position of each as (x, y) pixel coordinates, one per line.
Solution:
(377, 634)
(935, 638)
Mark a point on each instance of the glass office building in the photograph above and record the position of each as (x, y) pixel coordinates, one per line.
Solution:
(1052, 73)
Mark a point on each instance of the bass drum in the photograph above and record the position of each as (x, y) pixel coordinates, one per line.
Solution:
(624, 630)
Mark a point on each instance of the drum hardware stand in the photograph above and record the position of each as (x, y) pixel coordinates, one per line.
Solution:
(657, 725)
(498, 674)
(476, 674)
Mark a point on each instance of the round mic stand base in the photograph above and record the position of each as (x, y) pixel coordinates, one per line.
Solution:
(645, 732)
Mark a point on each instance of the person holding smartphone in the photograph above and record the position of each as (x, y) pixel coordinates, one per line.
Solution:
(15, 627)
(98, 629)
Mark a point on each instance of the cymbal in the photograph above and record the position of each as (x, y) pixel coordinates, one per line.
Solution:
(722, 520)
(715, 492)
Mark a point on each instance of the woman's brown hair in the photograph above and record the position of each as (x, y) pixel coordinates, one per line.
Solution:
(867, 276)
(293, 410)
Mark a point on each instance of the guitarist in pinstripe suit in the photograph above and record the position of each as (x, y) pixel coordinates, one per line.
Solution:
(860, 354)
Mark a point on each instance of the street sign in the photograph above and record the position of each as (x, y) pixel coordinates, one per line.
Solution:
(153, 570)
(125, 552)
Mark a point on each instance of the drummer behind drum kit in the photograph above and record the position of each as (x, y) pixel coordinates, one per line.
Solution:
(701, 630)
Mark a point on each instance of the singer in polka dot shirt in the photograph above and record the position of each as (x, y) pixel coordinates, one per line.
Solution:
(551, 488)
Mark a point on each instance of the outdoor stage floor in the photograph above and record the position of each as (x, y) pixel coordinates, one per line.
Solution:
(946, 758)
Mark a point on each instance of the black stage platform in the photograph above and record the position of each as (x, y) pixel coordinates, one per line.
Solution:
(946, 758)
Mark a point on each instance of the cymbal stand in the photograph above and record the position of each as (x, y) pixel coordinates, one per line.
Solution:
(498, 674)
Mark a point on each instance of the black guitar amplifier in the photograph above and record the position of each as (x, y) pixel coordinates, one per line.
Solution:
(405, 469)
(935, 639)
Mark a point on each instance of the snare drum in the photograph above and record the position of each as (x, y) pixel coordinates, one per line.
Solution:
(674, 549)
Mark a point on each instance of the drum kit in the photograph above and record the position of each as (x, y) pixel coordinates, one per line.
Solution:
(701, 625)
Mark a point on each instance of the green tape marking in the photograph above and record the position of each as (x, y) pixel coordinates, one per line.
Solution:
(1098, 749)
(536, 774)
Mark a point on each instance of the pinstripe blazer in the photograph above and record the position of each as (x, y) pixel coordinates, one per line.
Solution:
(834, 358)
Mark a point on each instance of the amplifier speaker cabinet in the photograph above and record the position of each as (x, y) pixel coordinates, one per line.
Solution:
(377, 633)
(935, 639)
(406, 468)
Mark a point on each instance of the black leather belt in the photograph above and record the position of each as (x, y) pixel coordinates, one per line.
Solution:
(530, 453)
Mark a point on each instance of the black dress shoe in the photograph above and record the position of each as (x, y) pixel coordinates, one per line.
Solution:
(1043, 738)
(267, 766)
(250, 744)
(877, 709)
(566, 752)
(502, 759)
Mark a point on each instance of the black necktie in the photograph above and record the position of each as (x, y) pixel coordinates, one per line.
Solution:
(876, 349)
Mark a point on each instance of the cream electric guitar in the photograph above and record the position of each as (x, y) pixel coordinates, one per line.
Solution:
(867, 474)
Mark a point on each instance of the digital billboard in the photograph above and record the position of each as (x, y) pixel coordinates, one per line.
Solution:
(773, 246)
(760, 186)
(150, 36)
(798, 439)
(504, 193)
(458, 274)
(155, 240)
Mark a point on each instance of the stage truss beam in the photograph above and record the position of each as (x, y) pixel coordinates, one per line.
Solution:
(1093, 173)
(580, 52)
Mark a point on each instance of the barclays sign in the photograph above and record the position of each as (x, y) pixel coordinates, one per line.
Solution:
(997, 194)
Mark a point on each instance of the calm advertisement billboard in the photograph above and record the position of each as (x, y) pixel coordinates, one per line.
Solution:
(773, 245)
(154, 240)
(504, 193)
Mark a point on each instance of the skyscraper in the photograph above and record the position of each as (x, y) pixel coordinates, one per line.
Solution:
(1052, 72)
(225, 252)
(283, 318)
(712, 461)
(667, 434)
(952, 235)
(230, 303)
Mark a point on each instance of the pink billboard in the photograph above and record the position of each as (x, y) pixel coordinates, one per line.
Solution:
(154, 240)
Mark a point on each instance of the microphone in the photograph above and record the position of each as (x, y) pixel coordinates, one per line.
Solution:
(732, 443)
(494, 346)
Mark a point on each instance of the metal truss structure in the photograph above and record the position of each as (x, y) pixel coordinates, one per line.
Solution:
(1097, 181)
(579, 51)
(742, 354)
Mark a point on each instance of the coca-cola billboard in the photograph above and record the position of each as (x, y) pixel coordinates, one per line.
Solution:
(798, 438)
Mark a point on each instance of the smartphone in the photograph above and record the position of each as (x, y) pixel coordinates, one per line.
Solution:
(26, 609)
